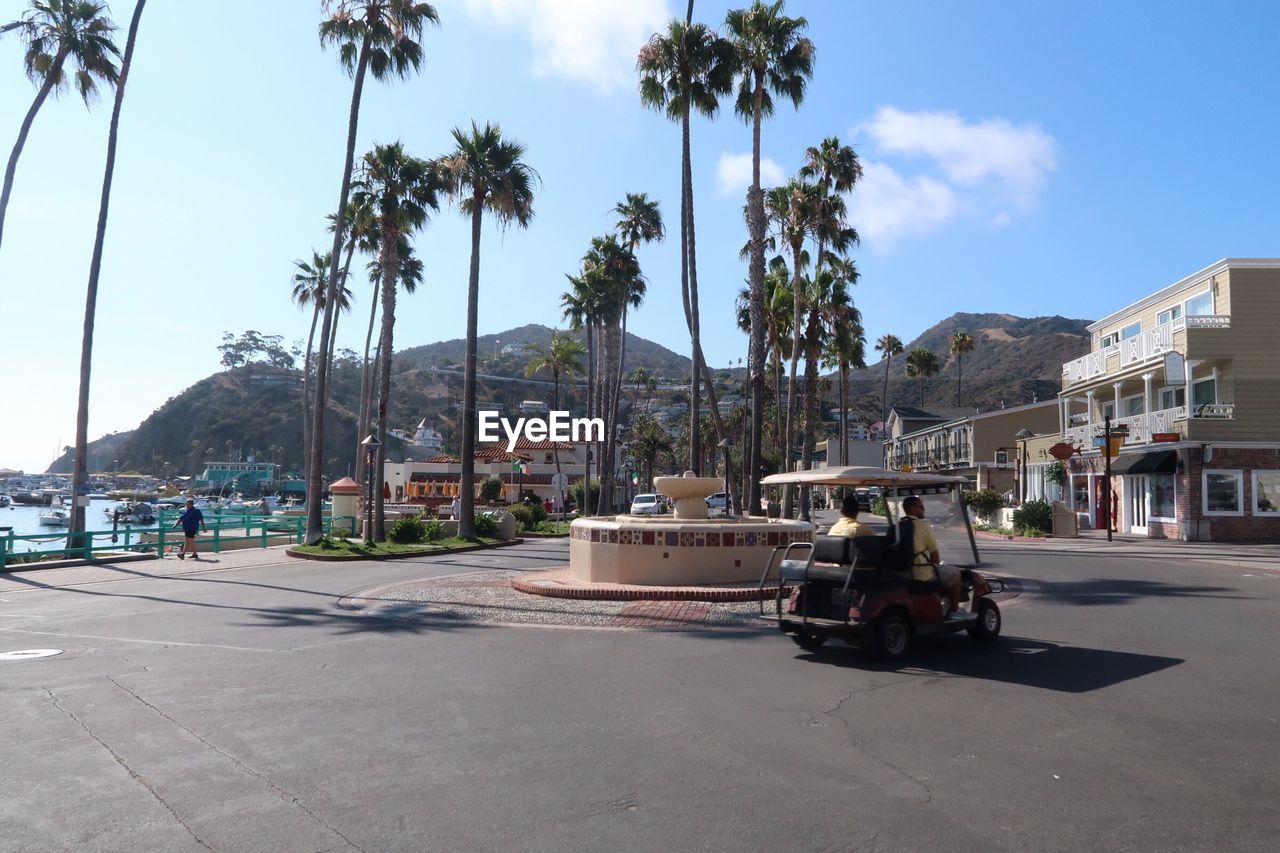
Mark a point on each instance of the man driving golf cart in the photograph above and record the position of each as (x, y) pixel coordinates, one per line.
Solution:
(927, 560)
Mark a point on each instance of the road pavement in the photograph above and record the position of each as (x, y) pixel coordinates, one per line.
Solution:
(1132, 703)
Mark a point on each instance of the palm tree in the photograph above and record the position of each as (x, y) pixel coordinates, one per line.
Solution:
(581, 310)
(55, 31)
(399, 191)
(684, 69)
(961, 343)
(80, 473)
(310, 286)
(773, 58)
(483, 172)
(845, 342)
(890, 345)
(378, 36)
(639, 221)
(563, 357)
(922, 363)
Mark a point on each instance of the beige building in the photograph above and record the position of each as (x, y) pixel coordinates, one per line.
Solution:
(1191, 372)
(981, 446)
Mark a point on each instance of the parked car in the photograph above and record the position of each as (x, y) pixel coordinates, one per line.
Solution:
(648, 505)
(719, 500)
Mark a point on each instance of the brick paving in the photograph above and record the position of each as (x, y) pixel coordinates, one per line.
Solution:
(662, 614)
(557, 583)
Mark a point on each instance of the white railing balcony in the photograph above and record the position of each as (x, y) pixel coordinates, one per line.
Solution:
(1146, 346)
(1214, 410)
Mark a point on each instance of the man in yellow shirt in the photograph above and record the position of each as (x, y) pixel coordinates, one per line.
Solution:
(848, 525)
(927, 560)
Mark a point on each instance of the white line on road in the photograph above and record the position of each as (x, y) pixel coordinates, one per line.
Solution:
(147, 642)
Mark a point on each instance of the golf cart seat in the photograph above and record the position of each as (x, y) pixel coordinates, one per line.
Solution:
(859, 562)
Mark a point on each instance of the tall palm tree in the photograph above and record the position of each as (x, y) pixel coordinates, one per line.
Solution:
(80, 472)
(310, 287)
(961, 343)
(582, 311)
(372, 36)
(55, 31)
(773, 58)
(684, 69)
(484, 172)
(890, 345)
(563, 357)
(922, 363)
(399, 191)
(639, 222)
(840, 338)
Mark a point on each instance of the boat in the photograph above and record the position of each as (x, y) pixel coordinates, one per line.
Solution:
(130, 512)
(5, 500)
(56, 515)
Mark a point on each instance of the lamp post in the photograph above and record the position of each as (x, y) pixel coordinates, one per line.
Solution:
(371, 445)
(1022, 435)
(724, 445)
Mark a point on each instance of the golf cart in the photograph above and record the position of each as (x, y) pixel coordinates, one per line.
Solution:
(861, 590)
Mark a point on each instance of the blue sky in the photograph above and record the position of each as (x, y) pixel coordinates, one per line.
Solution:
(1030, 159)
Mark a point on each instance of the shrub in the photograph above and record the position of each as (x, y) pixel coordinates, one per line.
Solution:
(486, 526)
(409, 530)
(433, 530)
(529, 516)
(880, 508)
(491, 489)
(1057, 473)
(1033, 517)
(576, 492)
(984, 502)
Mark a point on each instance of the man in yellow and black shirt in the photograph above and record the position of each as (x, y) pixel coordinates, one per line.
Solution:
(927, 561)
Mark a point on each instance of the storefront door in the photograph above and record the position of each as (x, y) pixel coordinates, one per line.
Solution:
(1135, 488)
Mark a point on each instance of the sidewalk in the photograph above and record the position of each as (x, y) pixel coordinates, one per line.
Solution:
(29, 578)
(1094, 543)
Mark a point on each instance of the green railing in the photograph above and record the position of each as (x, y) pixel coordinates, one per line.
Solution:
(224, 530)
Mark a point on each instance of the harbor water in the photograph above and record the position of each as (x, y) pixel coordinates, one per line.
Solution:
(25, 521)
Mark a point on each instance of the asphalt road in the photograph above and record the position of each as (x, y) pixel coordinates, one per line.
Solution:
(1130, 705)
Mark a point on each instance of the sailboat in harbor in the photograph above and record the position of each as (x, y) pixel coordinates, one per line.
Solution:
(56, 515)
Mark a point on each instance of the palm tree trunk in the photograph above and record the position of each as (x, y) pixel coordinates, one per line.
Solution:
(467, 524)
(959, 374)
(55, 71)
(797, 318)
(555, 405)
(390, 267)
(80, 473)
(721, 434)
(844, 411)
(884, 399)
(755, 228)
(337, 315)
(315, 462)
(366, 390)
(306, 383)
(584, 509)
(686, 288)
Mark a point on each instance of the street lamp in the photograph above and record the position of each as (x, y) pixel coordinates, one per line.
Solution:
(724, 445)
(371, 445)
(1022, 435)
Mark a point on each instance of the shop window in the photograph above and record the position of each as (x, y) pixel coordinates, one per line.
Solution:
(1201, 304)
(1266, 492)
(1223, 492)
(1161, 497)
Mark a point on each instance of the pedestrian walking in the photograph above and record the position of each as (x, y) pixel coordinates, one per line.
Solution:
(192, 521)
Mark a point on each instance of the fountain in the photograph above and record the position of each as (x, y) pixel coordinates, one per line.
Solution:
(687, 548)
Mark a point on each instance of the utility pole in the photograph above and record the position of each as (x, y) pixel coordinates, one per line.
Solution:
(1106, 477)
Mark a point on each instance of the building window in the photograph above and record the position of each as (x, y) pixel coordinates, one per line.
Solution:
(1131, 331)
(1134, 405)
(1201, 304)
(1169, 315)
(1161, 498)
(1110, 340)
(1266, 492)
(1109, 410)
(1204, 392)
(1223, 492)
(1171, 398)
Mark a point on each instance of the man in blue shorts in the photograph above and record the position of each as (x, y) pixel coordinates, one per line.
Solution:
(192, 521)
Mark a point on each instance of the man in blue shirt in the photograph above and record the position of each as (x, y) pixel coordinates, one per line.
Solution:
(192, 521)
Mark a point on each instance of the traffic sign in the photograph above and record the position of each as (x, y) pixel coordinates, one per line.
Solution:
(559, 481)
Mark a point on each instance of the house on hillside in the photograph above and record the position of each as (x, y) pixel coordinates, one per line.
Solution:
(979, 446)
(1190, 372)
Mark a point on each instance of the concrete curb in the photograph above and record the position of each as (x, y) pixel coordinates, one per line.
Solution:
(433, 552)
(983, 534)
(630, 592)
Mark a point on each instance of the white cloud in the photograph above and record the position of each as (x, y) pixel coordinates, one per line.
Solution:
(886, 207)
(1016, 157)
(586, 41)
(733, 174)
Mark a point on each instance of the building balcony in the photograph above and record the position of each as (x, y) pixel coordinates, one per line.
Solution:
(1140, 349)
(1142, 427)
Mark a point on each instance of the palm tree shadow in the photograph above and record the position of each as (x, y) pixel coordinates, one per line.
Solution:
(407, 618)
(1010, 660)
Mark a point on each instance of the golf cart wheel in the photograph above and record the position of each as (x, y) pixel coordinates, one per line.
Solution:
(893, 635)
(987, 626)
(808, 642)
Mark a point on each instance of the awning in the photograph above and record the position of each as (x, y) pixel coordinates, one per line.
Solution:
(1157, 462)
(857, 476)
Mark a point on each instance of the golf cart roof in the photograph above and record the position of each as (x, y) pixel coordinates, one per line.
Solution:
(857, 475)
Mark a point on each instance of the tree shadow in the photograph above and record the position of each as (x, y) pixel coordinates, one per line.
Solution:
(409, 619)
(1095, 591)
(1010, 660)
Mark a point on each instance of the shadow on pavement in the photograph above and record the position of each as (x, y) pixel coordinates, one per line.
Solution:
(389, 621)
(1011, 660)
(1125, 590)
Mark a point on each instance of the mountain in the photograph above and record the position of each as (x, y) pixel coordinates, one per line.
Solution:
(1014, 360)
